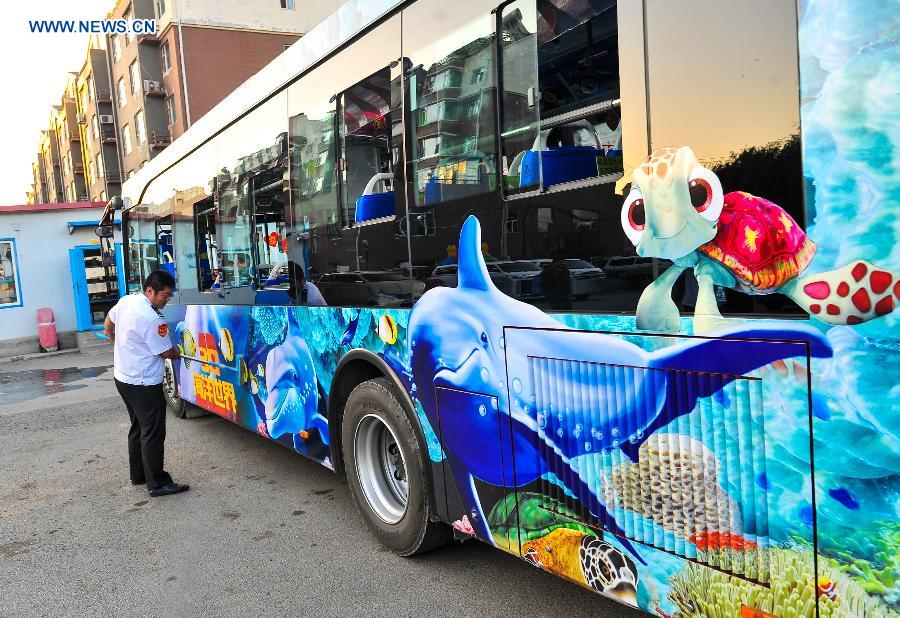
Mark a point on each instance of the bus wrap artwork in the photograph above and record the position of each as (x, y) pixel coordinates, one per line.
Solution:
(685, 413)
(731, 454)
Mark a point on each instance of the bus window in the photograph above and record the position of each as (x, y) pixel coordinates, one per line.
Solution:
(251, 161)
(269, 231)
(574, 83)
(745, 129)
(451, 101)
(366, 122)
(207, 248)
(165, 245)
(348, 111)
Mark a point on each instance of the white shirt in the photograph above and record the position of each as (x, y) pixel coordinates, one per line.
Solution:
(610, 139)
(141, 336)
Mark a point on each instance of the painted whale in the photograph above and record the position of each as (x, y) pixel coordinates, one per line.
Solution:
(292, 402)
(458, 355)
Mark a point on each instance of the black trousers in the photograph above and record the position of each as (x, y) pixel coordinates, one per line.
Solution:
(147, 436)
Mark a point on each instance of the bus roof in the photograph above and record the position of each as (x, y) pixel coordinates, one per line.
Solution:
(347, 21)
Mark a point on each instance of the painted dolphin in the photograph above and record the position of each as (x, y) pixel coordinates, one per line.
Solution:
(458, 354)
(292, 404)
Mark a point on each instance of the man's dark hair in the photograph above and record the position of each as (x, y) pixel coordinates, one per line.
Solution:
(159, 280)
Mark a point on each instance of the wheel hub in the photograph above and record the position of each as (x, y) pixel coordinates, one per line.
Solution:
(381, 469)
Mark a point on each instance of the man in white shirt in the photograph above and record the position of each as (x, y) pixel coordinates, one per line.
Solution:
(141, 343)
(301, 291)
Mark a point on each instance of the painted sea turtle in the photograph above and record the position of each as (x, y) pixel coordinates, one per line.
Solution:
(552, 540)
(676, 210)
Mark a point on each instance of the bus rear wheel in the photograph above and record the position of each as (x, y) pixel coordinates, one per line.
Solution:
(170, 389)
(386, 470)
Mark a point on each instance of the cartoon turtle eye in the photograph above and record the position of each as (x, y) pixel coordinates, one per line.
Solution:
(634, 217)
(706, 193)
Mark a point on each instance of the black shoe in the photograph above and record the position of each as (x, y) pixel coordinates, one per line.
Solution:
(168, 490)
(133, 482)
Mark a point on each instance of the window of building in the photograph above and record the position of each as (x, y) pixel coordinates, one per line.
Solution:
(120, 92)
(126, 138)
(135, 72)
(170, 110)
(287, 4)
(129, 37)
(70, 191)
(164, 58)
(116, 48)
(99, 166)
(10, 296)
(90, 173)
(140, 130)
(159, 7)
(90, 81)
(287, 46)
(103, 196)
(95, 127)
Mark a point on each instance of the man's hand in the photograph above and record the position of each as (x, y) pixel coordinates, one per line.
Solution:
(109, 329)
(171, 354)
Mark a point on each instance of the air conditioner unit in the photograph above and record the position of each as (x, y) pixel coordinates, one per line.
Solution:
(106, 119)
(150, 84)
(80, 119)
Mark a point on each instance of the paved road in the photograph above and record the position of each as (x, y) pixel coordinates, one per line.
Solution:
(262, 530)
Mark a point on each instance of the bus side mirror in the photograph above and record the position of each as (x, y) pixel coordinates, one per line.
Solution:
(115, 203)
(104, 231)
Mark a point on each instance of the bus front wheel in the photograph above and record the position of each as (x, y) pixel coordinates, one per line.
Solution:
(386, 470)
(170, 388)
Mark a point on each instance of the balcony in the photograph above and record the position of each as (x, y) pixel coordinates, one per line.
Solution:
(113, 177)
(148, 38)
(103, 96)
(108, 136)
(78, 168)
(153, 88)
(159, 140)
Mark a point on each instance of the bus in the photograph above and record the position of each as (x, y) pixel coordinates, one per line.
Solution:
(389, 249)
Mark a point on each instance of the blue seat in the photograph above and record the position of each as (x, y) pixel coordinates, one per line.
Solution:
(375, 206)
(563, 164)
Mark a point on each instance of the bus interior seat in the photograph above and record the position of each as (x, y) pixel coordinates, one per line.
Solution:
(371, 205)
(564, 156)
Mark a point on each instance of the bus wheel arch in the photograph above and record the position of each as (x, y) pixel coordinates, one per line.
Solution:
(371, 377)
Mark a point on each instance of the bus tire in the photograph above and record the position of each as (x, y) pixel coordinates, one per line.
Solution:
(170, 389)
(386, 470)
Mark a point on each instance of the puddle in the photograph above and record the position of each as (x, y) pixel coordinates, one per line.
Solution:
(33, 383)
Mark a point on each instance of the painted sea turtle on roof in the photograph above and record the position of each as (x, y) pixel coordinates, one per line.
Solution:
(676, 210)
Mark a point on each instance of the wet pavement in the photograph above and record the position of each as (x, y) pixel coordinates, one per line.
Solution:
(16, 386)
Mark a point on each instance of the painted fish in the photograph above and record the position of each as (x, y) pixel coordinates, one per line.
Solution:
(721, 540)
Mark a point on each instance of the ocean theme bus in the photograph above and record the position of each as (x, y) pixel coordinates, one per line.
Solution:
(610, 286)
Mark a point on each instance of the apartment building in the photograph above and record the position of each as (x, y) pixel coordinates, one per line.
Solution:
(208, 48)
(38, 192)
(48, 156)
(200, 53)
(68, 137)
(97, 123)
(134, 94)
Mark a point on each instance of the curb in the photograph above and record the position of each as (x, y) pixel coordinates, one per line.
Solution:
(33, 355)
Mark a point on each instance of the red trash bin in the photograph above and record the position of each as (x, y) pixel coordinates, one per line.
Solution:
(47, 330)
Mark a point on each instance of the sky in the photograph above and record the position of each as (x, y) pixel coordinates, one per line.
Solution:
(34, 75)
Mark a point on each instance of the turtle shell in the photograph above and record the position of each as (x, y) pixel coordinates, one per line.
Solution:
(536, 517)
(759, 243)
